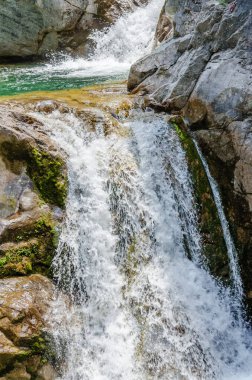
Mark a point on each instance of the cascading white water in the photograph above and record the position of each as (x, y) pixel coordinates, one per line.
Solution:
(118, 46)
(116, 49)
(131, 37)
(140, 308)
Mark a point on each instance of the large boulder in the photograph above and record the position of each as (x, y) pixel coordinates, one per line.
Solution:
(31, 28)
(202, 71)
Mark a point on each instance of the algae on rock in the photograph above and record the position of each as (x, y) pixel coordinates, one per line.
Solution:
(46, 172)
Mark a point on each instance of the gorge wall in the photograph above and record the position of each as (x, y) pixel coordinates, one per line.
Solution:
(201, 70)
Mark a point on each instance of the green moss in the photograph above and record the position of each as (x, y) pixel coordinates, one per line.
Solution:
(15, 263)
(47, 173)
(40, 352)
(44, 347)
(214, 246)
(39, 346)
(34, 250)
(18, 261)
(3, 261)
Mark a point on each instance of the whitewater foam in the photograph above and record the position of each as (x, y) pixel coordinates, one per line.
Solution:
(140, 308)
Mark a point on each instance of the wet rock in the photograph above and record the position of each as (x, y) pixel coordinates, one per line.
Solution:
(19, 372)
(8, 352)
(24, 302)
(110, 10)
(27, 151)
(28, 200)
(164, 29)
(47, 372)
(48, 106)
(32, 170)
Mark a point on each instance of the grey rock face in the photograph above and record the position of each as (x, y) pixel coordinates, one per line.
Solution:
(30, 28)
(204, 72)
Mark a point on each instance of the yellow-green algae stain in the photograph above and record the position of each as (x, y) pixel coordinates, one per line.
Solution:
(47, 171)
(110, 97)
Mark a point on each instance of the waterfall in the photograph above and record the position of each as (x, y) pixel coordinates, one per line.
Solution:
(131, 37)
(134, 299)
(139, 309)
(119, 45)
(231, 250)
(116, 48)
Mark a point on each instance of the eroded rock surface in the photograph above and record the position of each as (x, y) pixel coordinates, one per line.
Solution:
(31, 28)
(32, 197)
(24, 302)
(32, 194)
(203, 71)
(110, 10)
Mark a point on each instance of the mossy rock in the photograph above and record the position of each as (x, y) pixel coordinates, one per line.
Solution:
(29, 361)
(32, 250)
(46, 170)
(48, 175)
(214, 247)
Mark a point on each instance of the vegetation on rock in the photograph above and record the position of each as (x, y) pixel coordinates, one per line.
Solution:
(214, 248)
(46, 172)
(31, 250)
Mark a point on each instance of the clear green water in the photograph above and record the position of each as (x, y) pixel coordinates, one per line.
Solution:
(22, 78)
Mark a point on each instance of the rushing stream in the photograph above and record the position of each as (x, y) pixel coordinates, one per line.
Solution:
(136, 307)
